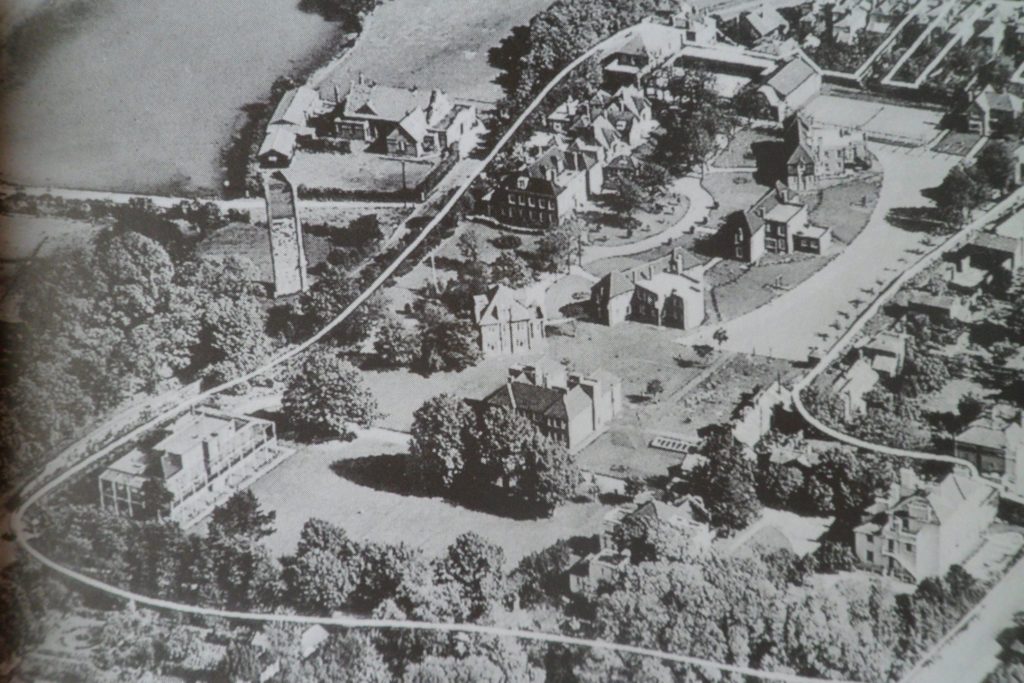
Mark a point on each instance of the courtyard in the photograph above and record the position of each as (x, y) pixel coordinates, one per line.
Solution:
(357, 171)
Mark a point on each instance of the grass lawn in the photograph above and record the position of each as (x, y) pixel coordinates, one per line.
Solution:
(957, 142)
(802, 533)
(738, 288)
(732, 191)
(356, 171)
(845, 208)
(606, 227)
(252, 242)
(741, 150)
(322, 481)
(20, 234)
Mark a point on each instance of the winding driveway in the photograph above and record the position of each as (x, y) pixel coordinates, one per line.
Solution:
(811, 315)
(699, 208)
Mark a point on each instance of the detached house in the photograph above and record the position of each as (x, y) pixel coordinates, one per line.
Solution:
(547, 190)
(818, 152)
(762, 24)
(648, 46)
(852, 387)
(993, 112)
(792, 86)
(916, 531)
(199, 457)
(886, 352)
(400, 121)
(567, 407)
(776, 224)
(995, 445)
(508, 322)
(659, 291)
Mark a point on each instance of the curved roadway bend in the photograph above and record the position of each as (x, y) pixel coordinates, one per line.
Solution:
(44, 488)
(1007, 206)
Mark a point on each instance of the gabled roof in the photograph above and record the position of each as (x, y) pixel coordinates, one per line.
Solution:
(503, 303)
(765, 19)
(994, 242)
(384, 101)
(538, 400)
(294, 106)
(792, 75)
(990, 100)
(955, 492)
(415, 125)
(988, 432)
(278, 140)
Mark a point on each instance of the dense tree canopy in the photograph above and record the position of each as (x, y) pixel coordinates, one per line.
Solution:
(326, 395)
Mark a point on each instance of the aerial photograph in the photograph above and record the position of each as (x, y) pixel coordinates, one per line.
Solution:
(511, 341)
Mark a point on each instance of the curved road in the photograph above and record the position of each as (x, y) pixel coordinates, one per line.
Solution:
(46, 487)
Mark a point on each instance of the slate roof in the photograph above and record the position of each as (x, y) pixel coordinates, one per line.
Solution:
(993, 242)
(278, 140)
(503, 303)
(956, 491)
(537, 400)
(384, 101)
(294, 106)
(792, 75)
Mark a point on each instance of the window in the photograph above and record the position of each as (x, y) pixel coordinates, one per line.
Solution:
(870, 556)
(909, 547)
(892, 545)
(871, 539)
(530, 201)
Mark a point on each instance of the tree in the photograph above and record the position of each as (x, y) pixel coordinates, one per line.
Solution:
(720, 336)
(654, 389)
(323, 574)
(969, 409)
(550, 475)
(331, 294)
(559, 245)
(958, 194)
(469, 245)
(834, 557)
(326, 395)
(233, 340)
(995, 165)
(511, 270)
(241, 663)
(446, 342)
(539, 577)
(779, 484)
(726, 482)
(442, 429)
(156, 497)
(243, 516)
(504, 435)
(475, 567)
(395, 344)
(347, 658)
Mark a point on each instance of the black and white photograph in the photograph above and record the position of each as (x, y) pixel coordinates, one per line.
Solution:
(511, 341)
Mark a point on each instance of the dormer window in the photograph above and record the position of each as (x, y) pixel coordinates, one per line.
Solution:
(522, 182)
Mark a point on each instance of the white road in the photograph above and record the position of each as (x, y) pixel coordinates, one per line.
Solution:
(972, 652)
(813, 313)
(700, 207)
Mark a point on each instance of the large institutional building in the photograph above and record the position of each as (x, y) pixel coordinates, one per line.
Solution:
(199, 457)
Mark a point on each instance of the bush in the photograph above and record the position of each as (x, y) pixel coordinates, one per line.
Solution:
(507, 242)
(832, 557)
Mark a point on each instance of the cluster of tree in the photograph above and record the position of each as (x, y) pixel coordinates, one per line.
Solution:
(228, 568)
(691, 125)
(558, 35)
(463, 453)
(115, 318)
(325, 396)
(839, 482)
(965, 188)
(633, 192)
(757, 611)
(726, 480)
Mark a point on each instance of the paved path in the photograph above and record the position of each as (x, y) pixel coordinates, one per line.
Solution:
(811, 314)
(699, 208)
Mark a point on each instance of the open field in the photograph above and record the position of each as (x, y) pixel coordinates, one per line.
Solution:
(443, 44)
(322, 481)
(20, 235)
(253, 243)
(957, 142)
(844, 208)
(356, 171)
(144, 95)
(744, 148)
